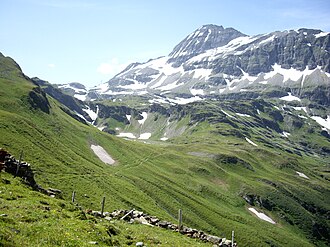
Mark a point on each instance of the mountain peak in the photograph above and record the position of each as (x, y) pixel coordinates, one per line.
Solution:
(211, 26)
(204, 38)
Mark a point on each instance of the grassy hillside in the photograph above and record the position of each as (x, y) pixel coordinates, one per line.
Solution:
(29, 218)
(205, 171)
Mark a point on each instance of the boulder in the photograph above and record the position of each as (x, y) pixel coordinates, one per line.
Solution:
(213, 239)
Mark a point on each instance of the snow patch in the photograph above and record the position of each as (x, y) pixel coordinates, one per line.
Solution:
(321, 34)
(243, 115)
(221, 90)
(227, 114)
(110, 92)
(208, 35)
(81, 97)
(290, 97)
(196, 91)
(145, 116)
(81, 116)
(135, 86)
(300, 109)
(251, 142)
(170, 86)
(302, 175)
(145, 136)
(270, 39)
(158, 100)
(92, 115)
(215, 53)
(289, 74)
(127, 134)
(102, 154)
(102, 88)
(202, 73)
(101, 128)
(262, 216)
(184, 101)
(323, 122)
(285, 134)
(129, 117)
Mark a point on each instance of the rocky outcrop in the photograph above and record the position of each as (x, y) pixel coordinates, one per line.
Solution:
(24, 171)
(205, 38)
(232, 161)
(134, 216)
(116, 112)
(319, 94)
(70, 102)
(296, 49)
(38, 100)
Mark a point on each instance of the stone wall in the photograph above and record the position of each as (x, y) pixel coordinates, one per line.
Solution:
(134, 216)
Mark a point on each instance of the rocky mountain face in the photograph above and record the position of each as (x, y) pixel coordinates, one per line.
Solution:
(205, 38)
(215, 61)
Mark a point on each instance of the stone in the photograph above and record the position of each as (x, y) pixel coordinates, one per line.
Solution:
(153, 220)
(228, 242)
(213, 239)
(93, 242)
(139, 244)
(163, 224)
(15, 230)
(136, 214)
(142, 221)
(56, 191)
(96, 213)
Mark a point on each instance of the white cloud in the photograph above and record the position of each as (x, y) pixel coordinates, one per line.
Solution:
(51, 65)
(111, 68)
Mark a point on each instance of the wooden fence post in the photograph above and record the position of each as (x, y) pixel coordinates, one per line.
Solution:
(73, 196)
(19, 163)
(232, 239)
(180, 220)
(103, 202)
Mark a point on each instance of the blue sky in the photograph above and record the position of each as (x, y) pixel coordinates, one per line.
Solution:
(89, 41)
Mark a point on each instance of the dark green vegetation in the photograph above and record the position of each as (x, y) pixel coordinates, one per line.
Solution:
(208, 169)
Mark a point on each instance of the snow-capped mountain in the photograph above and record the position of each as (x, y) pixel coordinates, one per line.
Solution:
(216, 61)
(75, 89)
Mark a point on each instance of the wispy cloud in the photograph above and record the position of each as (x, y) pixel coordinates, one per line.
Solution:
(111, 68)
(51, 65)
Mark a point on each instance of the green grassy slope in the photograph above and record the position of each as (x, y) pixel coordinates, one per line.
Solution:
(29, 218)
(159, 180)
